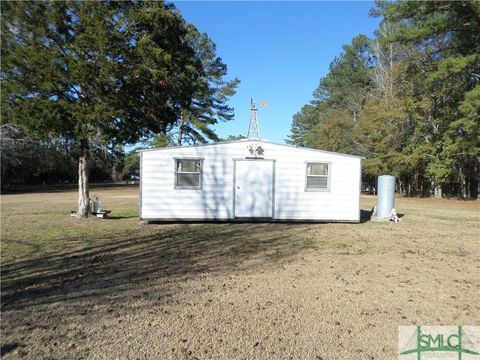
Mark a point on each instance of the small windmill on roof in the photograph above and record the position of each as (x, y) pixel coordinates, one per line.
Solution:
(254, 127)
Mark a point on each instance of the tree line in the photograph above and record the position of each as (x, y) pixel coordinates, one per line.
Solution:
(408, 99)
(25, 161)
(80, 80)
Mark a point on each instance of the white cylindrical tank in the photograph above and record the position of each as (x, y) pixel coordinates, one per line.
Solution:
(385, 196)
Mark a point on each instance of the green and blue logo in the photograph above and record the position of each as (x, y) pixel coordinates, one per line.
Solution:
(439, 342)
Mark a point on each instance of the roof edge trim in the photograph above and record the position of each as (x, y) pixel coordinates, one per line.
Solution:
(247, 140)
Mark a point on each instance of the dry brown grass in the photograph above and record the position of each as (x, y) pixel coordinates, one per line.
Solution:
(108, 289)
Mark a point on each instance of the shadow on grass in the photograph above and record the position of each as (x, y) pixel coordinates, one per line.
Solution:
(121, 217)
(122, 270)
(5, 349)
(365, 216)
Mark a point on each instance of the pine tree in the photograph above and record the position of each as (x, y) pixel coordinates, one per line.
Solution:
(104, 74)
(447, 34)
(343, 88)
(413, 93)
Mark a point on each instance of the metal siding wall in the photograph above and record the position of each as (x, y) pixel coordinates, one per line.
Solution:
(161, 201)
(293, 202)
(214, 201)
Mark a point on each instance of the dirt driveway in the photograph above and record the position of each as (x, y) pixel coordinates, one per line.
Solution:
(118, 289)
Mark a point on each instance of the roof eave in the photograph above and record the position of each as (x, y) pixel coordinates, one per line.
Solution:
(246, 140)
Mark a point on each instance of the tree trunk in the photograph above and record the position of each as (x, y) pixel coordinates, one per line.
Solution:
(474, 187)
(413, 191)
(83, 195)
(437, 191)
(463, 185)
(180, 130)
(472, 177)
(115, 173)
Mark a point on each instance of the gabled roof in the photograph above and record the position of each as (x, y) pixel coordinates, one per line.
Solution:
(249, 140)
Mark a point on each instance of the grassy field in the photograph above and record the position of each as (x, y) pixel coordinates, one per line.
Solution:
(120, 289)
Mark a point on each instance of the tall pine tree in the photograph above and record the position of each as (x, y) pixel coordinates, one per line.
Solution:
(102, 72)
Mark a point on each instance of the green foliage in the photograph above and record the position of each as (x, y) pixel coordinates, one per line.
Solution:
(160, 141)
(335, 134)
(59, 68)
(348, 79)
(234, 138)
(99, 75)
(408, 100)
(207, 105)
(131, 165)
(28, 162)
(303, 124)
(343, 88)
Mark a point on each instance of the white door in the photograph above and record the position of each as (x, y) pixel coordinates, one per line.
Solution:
(254, 188)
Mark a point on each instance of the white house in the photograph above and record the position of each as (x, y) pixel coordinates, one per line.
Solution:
(249, 180)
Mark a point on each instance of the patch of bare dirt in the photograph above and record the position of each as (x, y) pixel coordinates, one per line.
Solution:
(245, 291)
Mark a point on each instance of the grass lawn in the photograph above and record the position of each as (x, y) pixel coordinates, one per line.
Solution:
(120, 289)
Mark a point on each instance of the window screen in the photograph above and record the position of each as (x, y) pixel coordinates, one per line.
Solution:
(318, 177)
(188, 174)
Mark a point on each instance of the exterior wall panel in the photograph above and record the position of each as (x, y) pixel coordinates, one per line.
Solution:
(160, 200)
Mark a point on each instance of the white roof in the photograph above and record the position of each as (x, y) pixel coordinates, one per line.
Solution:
(249, 140)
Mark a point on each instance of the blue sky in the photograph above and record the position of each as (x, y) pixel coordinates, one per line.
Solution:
(278, 50)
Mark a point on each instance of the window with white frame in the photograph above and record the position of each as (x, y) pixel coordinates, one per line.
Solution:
(317, 176)
(188, 174)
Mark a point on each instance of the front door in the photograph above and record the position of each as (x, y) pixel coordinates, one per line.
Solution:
(254, 188)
